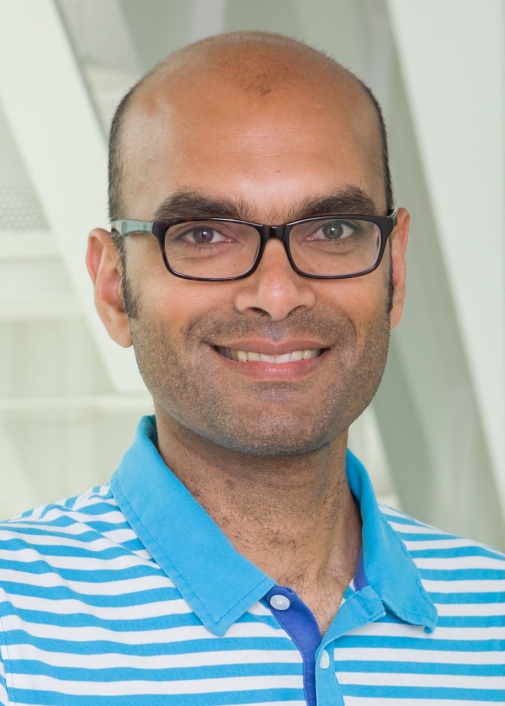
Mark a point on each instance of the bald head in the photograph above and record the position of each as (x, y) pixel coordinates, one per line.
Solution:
(255, 62)
(248, 71)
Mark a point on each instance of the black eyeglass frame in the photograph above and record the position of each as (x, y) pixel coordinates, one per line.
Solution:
(386, 225)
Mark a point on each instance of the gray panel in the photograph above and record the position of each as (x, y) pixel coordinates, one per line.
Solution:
(428, 373)
(157, 27)
(279, 16)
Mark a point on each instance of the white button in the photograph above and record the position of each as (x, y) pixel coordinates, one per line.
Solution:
(324, 662)
(280, 602)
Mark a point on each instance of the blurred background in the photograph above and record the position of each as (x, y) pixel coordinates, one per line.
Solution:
(70, 399)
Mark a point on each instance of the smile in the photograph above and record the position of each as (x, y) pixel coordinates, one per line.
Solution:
(254, 357)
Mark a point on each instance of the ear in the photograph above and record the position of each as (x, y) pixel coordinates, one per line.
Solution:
(104, 267)
(398, 240)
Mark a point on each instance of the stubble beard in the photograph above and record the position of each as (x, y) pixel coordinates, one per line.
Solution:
(280, 418)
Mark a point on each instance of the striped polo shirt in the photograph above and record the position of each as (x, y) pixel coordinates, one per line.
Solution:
(131, 595)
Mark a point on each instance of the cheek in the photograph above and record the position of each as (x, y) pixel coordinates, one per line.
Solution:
(184, 302)
(160, 351)
(171, 309)
(365, 300)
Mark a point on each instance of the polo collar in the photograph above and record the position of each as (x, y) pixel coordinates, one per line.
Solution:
(388, 567)
(217, 582)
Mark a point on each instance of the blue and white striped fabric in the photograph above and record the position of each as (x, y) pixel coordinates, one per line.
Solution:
(131, 595)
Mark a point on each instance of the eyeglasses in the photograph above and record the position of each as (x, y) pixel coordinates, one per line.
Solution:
(219, 249)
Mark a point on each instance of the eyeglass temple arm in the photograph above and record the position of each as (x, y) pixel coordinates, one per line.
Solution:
(126, 227)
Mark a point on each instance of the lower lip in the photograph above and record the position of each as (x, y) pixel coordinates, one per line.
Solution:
(261, 370)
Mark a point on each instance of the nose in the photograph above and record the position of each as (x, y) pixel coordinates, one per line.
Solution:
(274, 289)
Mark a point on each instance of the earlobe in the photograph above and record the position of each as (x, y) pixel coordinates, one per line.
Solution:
(104, 267)
(399, 241)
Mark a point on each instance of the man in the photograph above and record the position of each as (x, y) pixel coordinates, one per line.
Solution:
(238, 554)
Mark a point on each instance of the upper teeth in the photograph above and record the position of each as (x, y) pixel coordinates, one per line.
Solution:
(252, 356)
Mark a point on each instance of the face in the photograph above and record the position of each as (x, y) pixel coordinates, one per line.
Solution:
(261, 158)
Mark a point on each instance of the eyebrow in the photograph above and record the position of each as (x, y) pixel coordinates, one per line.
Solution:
(187, 204)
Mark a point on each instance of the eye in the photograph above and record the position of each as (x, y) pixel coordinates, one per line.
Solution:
(202, 235)
(334, 230)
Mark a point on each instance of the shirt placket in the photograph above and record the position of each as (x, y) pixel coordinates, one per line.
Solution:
(361, 608)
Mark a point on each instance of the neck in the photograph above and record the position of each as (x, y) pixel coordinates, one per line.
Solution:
(294, 517)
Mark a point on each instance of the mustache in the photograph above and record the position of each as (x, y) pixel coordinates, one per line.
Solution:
(328, 328)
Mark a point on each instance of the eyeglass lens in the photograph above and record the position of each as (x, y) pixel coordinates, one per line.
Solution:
(221, 249)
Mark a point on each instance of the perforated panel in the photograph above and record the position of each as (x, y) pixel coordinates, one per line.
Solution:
(48, 359)
(62, 429)
(109, 67)
(64, 451)
(107, 87)
(19, 208)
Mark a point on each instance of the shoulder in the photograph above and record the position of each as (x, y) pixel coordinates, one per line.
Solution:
(67, 534)
(449, 564)
(62, 518)
(419, 537)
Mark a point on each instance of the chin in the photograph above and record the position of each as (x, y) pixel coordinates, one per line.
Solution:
(282, 439)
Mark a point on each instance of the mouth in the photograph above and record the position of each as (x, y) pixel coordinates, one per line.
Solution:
(255, 357)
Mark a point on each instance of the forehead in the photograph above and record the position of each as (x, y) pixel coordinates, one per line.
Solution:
(259, 129)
